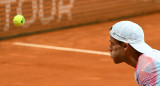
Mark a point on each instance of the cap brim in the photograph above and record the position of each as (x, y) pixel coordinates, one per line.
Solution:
(142, 47)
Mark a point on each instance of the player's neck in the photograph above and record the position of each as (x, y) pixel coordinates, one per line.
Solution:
(133, 59)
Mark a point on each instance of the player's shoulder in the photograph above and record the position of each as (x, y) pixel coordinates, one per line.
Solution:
(154, 55)
(147, 70)
(151, 58)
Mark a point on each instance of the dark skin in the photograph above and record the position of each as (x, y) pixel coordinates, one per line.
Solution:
(123, 52)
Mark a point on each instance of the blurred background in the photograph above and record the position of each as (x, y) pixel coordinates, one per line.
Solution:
(29, 56)
(42, 15)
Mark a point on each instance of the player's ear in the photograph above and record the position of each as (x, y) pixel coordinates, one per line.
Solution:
(125, 46)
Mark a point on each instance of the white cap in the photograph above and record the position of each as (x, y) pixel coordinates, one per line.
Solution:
(132, 33)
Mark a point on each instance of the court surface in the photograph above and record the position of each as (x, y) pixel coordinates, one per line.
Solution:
(75, 56)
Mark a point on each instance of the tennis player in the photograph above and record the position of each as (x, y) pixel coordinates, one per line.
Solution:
(127, 45)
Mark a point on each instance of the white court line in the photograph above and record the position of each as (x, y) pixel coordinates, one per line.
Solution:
(61, 48)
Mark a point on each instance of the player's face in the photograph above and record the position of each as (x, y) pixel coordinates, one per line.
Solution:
(116, 51)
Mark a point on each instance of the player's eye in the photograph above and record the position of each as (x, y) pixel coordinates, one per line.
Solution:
(112, 44)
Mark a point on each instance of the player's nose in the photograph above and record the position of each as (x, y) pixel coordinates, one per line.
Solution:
(109, 48)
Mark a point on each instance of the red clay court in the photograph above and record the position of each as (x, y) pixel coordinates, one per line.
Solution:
(60, 58)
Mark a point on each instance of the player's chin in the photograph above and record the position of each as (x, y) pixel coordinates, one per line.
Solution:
(116, 61)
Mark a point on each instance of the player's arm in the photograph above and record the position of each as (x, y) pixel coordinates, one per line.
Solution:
(150, 76)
